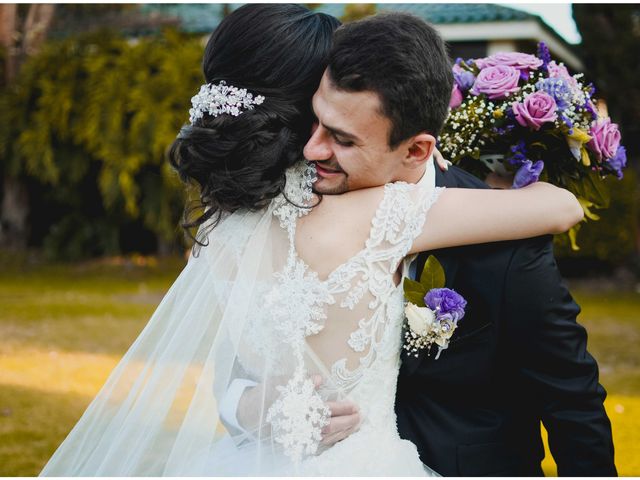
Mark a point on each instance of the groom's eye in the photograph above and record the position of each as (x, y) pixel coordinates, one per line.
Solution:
(343, 143)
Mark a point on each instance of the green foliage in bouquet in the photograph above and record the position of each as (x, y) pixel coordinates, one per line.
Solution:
(525, 115)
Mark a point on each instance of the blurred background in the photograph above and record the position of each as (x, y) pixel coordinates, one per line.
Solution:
(91, 97)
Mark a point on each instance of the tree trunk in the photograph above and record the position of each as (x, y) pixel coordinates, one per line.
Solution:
(36, 27)
(19, 44)
(8, 39)
(14, 230)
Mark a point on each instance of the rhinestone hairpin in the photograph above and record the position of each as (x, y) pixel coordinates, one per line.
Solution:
(221, 98)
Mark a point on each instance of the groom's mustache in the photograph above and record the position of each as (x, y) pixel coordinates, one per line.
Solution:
(329, 167)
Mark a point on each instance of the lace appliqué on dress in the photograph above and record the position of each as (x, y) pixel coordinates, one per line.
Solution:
(298, 416)
(295, 306)
(294, 201)
(398, 221)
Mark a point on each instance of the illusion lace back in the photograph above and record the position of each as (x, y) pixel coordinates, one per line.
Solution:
(347, 328)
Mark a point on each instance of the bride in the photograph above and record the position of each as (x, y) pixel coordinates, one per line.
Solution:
(299, 329)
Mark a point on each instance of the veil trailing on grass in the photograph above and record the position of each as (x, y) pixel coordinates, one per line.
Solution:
(221, 327)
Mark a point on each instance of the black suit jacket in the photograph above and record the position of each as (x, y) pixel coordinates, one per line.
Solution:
(517, 358)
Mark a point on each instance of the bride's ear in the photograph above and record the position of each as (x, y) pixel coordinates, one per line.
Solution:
(420, 148)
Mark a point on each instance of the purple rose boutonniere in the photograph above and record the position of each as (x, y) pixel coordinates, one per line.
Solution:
(432, 311)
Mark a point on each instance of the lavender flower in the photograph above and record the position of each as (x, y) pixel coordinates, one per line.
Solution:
(503, 130)
(618, 162)
(528, 173)
(519, 156)
(544, 54)
(590, 107)
(567, 121)
(557, 88)
(464, 79)
(447, 303)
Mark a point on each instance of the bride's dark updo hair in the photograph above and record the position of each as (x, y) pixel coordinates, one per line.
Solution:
(274, 50)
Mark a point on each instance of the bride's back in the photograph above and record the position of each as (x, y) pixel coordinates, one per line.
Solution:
(345, 241)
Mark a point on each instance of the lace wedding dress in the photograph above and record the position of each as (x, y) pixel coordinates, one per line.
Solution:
(249, 308)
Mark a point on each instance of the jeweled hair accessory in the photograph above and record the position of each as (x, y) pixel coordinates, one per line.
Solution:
(221, 98)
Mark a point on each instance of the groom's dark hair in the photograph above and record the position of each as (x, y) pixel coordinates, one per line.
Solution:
(402, 59)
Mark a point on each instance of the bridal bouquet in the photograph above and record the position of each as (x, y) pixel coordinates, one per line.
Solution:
(432, 312)
(525, 115)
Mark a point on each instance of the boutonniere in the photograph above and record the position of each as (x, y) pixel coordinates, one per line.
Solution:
(432, 311)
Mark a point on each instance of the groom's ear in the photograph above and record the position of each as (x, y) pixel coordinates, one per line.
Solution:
(419, 149)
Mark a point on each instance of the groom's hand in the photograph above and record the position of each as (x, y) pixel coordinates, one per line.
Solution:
(345, 419)
(442, 163)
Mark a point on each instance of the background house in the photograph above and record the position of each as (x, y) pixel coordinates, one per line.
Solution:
(472, 30)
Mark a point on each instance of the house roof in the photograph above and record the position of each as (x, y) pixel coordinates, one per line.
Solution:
(440, 13)
(492, 22)
(194, 17)
(204, 17)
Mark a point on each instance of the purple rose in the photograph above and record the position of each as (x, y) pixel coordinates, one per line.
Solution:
(538, 108)
(446, 303)
(605, 138)
(456, 97)
(528, 173)
(464, 79)
(521, 61)
(618, 162)
(496, 82)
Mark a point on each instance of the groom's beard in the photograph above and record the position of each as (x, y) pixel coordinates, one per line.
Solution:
(332, 180)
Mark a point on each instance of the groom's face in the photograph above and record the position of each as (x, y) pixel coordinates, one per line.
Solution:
(349, 143)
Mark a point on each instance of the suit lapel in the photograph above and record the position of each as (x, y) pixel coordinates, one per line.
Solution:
(446, 257)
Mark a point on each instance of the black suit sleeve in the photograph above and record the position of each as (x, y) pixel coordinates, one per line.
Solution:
(455, 177)
(552, 363)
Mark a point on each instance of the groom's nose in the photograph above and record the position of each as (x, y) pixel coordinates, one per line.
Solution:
(318, 147)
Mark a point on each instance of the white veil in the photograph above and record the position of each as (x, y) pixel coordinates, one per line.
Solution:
(159, 413)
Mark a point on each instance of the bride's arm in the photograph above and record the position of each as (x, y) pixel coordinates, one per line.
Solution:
(464, 216)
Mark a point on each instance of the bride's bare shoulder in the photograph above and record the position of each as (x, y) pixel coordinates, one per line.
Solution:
(355, 208)
(337, 228)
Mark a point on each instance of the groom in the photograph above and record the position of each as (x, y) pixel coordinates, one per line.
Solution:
(518, 357)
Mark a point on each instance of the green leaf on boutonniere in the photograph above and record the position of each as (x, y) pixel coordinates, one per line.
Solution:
(432, 275)
(414, 292)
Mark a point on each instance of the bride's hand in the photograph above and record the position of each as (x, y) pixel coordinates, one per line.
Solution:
(440, 160)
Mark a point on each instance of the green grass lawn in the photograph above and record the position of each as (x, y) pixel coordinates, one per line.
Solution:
(63, 329)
